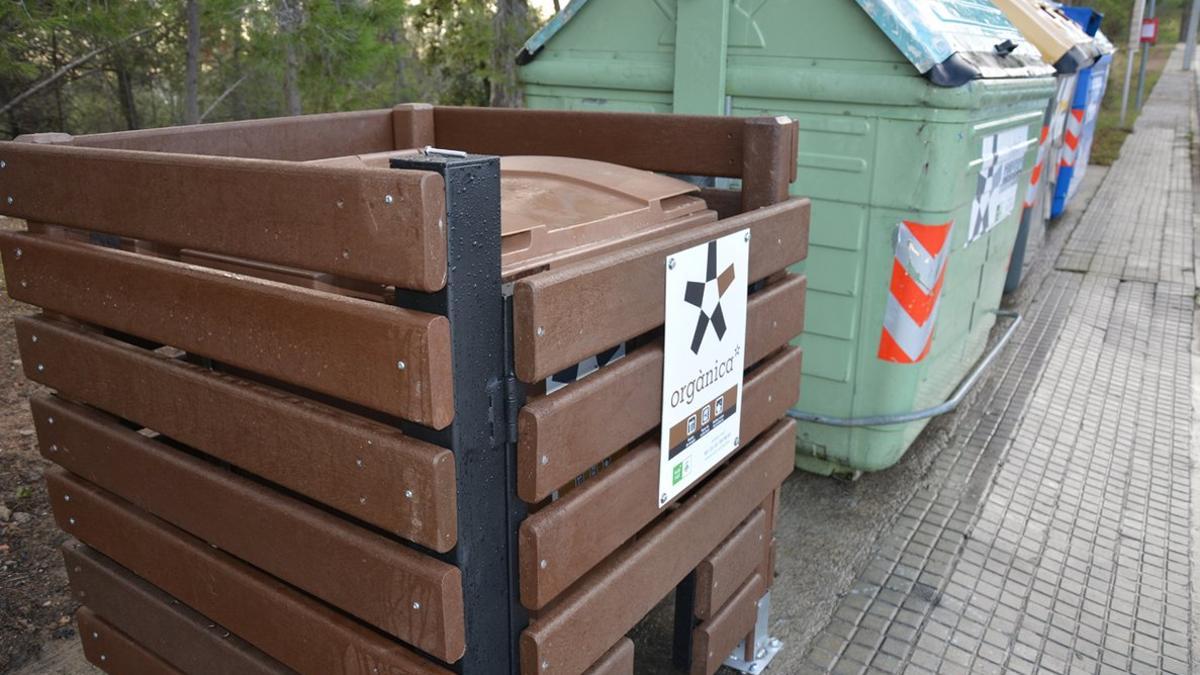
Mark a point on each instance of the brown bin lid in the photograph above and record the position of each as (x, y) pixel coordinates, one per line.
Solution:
(554, 208)
(554, 205)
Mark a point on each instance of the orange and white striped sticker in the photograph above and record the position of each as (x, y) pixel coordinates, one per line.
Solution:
(918, 271)
(1071, 136)
(1036, 176)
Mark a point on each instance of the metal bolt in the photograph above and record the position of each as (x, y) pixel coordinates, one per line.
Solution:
(737, 441)
(416, 605)
(400, 365)
(359, 462)
(670, 263)
(24, 284)
(95, 635)
(362, 500)
(103, 657)
(775, 643)
(17, 253)
(66, 498)
(541, 330)
(408, 494)
(754, 667)
(40, 367)
(34, 338)
(53, 447)
(49, 420)
(545, 665)
(10, 200)
(747, 236)
(3, 164)
(387, 199)
(543, 564)
(71, 521)
(545, 460)
(770, 398)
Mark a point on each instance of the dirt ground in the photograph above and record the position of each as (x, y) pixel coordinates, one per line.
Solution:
(35, 604)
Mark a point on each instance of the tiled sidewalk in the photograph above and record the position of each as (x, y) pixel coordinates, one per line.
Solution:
(1054, 536)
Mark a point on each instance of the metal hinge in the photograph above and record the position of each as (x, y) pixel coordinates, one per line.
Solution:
(504, 397)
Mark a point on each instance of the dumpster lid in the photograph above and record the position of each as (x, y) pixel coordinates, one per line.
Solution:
(1087, 18)
(552, 206)
(955, 41)
(1062, 42)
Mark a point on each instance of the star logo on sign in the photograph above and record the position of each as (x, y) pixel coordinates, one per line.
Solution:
(706, 296)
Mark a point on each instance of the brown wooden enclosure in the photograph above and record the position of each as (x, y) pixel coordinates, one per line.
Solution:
(263, 440)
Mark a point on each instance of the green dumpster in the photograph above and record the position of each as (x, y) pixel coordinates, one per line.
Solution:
(920, 122)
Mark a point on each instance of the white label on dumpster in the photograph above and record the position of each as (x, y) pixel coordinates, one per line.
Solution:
(999, 178)
(703, 358)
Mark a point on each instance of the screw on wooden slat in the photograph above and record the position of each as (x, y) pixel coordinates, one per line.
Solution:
(543, 564)
(17, 253)
(49, 420)
(71, 521)
(40, 367)
(408, 494)
(388, 199)
(545, 460)
(53, 447)
(9, 200)
(34, 338)
(95, 635)
(401, 365)
(66, 498)
(359, 462)
(416, 605)
(541, 330)
(3, 164)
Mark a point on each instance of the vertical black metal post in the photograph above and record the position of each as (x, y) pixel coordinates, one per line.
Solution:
(488, 509)
(685, 622)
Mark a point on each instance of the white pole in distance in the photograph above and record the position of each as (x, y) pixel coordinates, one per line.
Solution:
(1135, 39)
(1189, 53)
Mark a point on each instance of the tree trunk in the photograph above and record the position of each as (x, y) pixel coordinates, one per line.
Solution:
(235, 99)
(510, 23)
(191, 95)
(56, 63)
(290, 14)
(125, 93)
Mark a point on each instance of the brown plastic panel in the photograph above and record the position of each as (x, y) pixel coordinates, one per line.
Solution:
(355, 465)
(719, 575)
(681, 144)
(379, 225)
(344, 347)
(362, 573)
(178, 634)
(412, 126)
(618, 660)
(288, 625)
(576, 311)
(769, 161)
(293, 139)
(714, 640)
(578, 426)
(114, 652)
(581, 626)
(579, 530)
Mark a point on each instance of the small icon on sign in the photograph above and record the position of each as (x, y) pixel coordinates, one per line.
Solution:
(719, 404)
(691, 425)
(676, 474)
(705, 415)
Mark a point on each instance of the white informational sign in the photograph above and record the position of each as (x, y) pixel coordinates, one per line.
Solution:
(999, 180)
(704, 345)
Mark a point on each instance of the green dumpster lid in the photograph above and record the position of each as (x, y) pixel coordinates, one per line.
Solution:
(955, 41)
(949, 41)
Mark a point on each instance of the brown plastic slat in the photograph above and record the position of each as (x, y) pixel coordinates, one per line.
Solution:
(303, 445)
(705, 146)
(293, 139)
(114, 652)
(344, 347)
(328, 219)
(769, 161)
(412, 125)
(595, 613)
(618, 660)
(720, 574)
(576, 532)
(565, 315)
(714, 640)
(364, 574)
(178, 634)
(578, 426)
(288, 625)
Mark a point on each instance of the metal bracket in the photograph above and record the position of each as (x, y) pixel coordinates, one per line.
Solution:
(765, 647)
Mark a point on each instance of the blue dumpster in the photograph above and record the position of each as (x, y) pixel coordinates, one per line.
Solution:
(1085, 110)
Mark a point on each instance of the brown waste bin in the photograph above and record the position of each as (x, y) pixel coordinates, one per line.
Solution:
(311, 385)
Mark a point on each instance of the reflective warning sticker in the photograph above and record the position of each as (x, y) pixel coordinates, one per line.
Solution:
(918, 271)
(999, 178)
(704, 340)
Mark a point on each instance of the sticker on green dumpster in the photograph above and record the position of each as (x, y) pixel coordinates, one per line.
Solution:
(1003, 161)
(704, 342)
